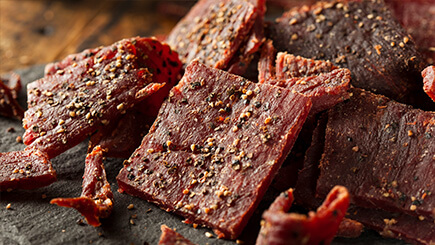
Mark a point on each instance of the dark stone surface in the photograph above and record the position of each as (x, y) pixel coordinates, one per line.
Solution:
(33, 220)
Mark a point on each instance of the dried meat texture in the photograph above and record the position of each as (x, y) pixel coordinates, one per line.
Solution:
(64, 108)
(359, 35)
(349, 228)
(9, 106)
(240, 62)
(121, 138)
(27, 169)
(96, 200)
(416, 16)
(416, 230)
(429, 81)
(320, 80)
(319, 227)
(383, 152)
(171, 237)
(52, 68)
(213, 31)
(13, 81)
(266, 64)
(209, 154)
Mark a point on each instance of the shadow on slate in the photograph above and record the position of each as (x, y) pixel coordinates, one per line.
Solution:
(33, 220)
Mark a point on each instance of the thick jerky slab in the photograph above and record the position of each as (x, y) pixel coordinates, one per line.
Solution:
(429, 81)
(416, 230)
(280, 227)
(416, 16)
(383, 152)
(13, 82)
(213, 31)
(171, 237)
(215, 147)
(27, 169)
(9, 106)
(359, 35)
(96, 199)
(66, 107)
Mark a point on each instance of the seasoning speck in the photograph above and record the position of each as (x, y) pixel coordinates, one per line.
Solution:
(208, 234)
(9, 206)
(130, 206)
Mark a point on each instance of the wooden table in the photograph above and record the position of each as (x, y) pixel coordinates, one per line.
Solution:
(40, 31)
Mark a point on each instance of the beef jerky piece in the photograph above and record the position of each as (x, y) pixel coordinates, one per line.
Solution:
(359, 35)
(429, 81)
(27, 169)
(325, 90)
(9, 107)
(212, 31)
(66, 107)
(291, 66)
(13, 82)
(209, 154)
(241, 60)
(52, 68)
(383, 152)
(171, 237)
(122, 137)
(319, 227)
(96, 200)
(266, 65)
(416, 230)
(416, 16)
(349, 228)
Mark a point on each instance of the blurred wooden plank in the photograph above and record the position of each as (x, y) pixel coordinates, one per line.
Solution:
(38, 32)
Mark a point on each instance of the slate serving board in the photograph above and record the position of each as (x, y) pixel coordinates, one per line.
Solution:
(33, 220)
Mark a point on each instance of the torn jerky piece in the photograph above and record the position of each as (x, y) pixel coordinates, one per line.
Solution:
(266, 64)
(416, 16)
(319, 227)
(171, 237)
(383, 152)
(323, 82)
(416, 230)
(209, 154)
(359, 35)
(429, 81)
(27, 169)
(96, 200)
(241, 60)
(213, 31)
(66, 107)
(9, 107)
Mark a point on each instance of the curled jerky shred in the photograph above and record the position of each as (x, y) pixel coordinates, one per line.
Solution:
(319, 227)
(96, 200)
(429, 81)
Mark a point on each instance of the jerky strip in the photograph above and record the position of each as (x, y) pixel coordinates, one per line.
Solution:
(266, 65)
(429, 81)
(213, 31)
(209, 154)
(280, 227)
(96, 200)
(66, 107)
(383, 152)
(359, 35)
(171, 237)
(27, 169)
